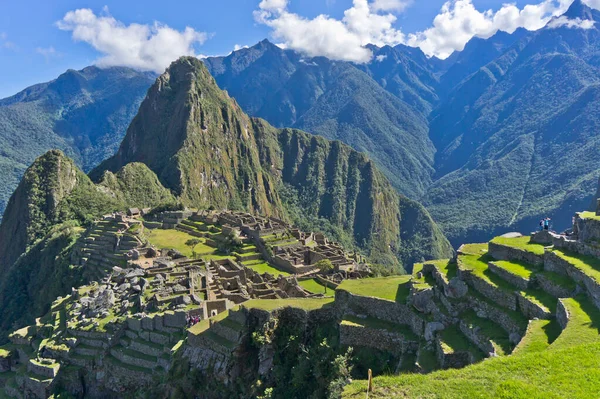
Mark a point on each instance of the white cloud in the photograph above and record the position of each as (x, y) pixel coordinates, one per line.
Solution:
(326, 36)
(571, 23)
(380, 58)
(390, 5)
(373, 22)
(145, 47)
(459, 21)
(273, 5)
(238, 47)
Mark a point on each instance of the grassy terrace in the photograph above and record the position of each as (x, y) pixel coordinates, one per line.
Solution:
(520, 269)
(390, 288)
(540, 334)
(583, 326)
(175, 239)
(300, 303)
(453, 340)
(493, 331)
(523, 243)
(376, 324)
(587, 264)
(570, 373)
(478, 264)
(444, 266)
(260, 266)
(589, 215)
(313, 286)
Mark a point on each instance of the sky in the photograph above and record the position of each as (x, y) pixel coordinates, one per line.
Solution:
(41, 39)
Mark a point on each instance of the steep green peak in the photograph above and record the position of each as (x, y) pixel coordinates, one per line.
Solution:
(35, 204)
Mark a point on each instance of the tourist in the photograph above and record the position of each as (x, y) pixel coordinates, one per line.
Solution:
(547, 224)
(541, 224)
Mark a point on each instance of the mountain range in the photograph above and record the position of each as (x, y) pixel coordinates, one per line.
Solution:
(490, 139)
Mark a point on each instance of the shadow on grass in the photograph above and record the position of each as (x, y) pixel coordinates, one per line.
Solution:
(403, 292)
(592, 311)
(552, 331)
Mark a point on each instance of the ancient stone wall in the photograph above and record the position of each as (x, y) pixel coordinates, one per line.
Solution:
(502, 252)
(518, 281)
(381, 309)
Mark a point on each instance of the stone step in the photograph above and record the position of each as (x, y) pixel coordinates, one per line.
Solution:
(454, 349)
(114, 361)
(517, 249)
(87, 350)
(485, 334)
(134, 358)
(143, 346)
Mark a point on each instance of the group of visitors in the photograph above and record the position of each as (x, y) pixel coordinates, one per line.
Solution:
(545, 224)
(192, 320)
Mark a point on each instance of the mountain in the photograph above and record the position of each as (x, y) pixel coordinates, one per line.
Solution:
(204, 148)
(380, 109)
(517, 139)
(83, 113)
(45, 216)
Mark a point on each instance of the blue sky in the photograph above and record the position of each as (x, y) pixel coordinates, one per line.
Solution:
(34, 48)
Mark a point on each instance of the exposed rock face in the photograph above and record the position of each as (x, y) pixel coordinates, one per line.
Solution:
(204, 148)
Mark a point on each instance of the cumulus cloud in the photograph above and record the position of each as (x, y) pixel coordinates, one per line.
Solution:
(571, 23)
(373, 22)
(145, 47)
(323, 35)
(380, 58)
(459, 21)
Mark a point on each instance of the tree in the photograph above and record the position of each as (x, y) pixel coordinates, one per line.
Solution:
(325, 266)
(229, 245)
(192, 244)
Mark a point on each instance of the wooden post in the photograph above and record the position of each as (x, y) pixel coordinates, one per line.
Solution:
(370, 383)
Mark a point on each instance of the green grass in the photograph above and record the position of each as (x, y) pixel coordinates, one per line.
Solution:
(583, 326)
(589, 215)
(523, 242)
(428, 360)
(376, 324)
(262, 267)
(300, 303)
(540, 334)
(453, 340)
(562, 374)
(560, 280)
(520, 269)
(587, 264)
(391, 288)
(313, 286)
(175, 239)
(493, 331)
(538, 368)
(479, 267)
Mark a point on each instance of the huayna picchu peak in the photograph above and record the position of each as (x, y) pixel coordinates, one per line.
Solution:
(204, 148)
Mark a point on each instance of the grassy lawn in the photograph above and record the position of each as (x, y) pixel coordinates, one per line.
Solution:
(520, 269)
(391, 288)
(444, 266)
(568, 373)
(475, 249)
(540, 334)
(300, 303)
(587, 264)
(523, 243)
(589, 215)
(260, 266)
(313, 286)
(583, 326)
(560, 280)
(427, 360)
(175, 239)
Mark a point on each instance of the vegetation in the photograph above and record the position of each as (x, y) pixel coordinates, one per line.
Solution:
(391, 288)
(83, 113)
(301, 303)
(523, 242)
